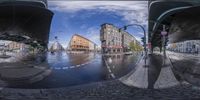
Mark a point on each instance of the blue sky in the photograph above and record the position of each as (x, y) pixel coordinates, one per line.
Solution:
(85, 18)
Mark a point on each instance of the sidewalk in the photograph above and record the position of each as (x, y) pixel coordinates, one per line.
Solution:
(154, 75)
(108, 90)
(138, 77)
(23, 73)
(166, 78)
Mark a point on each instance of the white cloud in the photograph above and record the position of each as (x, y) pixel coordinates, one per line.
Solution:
(83, 26)
(93, 35)
(139, 39)
(132, 11)
(140, 33)
(64, 44)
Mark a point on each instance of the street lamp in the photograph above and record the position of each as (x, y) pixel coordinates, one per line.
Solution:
(164, 33)
(145, 49)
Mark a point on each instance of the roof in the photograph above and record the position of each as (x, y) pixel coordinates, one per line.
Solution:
(107, 24)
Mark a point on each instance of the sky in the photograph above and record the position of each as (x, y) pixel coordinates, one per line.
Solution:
(86, 17)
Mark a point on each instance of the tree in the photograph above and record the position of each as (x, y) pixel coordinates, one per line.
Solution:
(135, 46)
(132, 46)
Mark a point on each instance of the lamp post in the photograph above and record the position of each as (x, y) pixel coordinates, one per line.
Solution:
(145, 49)
(164, 33)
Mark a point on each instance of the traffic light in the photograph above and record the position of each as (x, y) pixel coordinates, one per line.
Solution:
(125, 27)
(56, 37)
(142, 39)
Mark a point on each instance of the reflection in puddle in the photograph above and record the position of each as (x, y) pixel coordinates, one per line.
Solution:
(63, 59)
(22, 63)
(31, 66)
(15, 52)
(185, 58)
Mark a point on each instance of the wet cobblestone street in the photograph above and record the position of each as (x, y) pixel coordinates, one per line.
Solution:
(109, 90)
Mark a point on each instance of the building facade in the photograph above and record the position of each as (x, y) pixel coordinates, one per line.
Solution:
(190, 46)
(15, 46)
(126, 40)
(80, 43)
(92, 46)
(113, 40)
(56, 46)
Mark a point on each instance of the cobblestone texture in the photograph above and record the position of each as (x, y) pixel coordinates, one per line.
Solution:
(110, 90)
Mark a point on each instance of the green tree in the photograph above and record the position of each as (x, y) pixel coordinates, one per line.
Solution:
(135, 46)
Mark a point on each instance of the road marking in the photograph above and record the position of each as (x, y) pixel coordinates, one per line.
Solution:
(75, 66)
(72, 67)
(57, 68)
(109, 70)
(113, 76)
(65, 67)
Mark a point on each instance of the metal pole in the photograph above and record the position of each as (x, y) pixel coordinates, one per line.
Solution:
(164, 49)
(145, 49)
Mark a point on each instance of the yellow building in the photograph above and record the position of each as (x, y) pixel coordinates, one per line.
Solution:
(79, 43)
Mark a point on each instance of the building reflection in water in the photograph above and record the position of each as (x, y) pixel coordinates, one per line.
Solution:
(11, 52)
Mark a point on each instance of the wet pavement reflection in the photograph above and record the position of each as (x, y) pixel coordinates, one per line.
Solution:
(69, 69)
